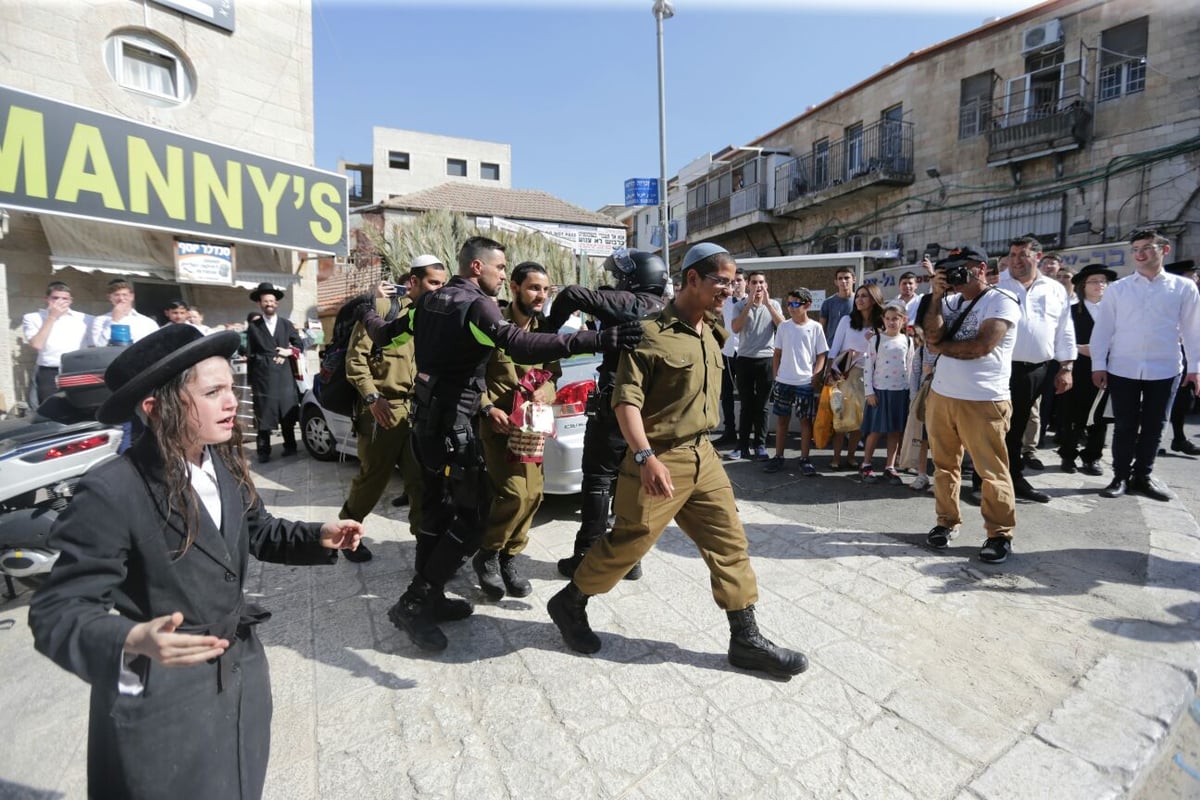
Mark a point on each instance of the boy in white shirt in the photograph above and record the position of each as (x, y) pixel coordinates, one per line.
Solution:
(799, 360)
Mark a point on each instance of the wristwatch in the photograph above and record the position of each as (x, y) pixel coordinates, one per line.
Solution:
(483, 412)
(641, 456)
(372, 397)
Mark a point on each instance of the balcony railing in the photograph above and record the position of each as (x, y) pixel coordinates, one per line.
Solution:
(744, 201)
(880, 153)
(1042, 117)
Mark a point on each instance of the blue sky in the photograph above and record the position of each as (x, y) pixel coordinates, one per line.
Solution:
(573, 86)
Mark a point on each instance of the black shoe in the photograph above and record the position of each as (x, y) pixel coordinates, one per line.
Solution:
(362, 554)
(413, 614)
(1185, 447)
(1068, 466)
(487, 568)
(773, 464)
(567, 566)
(568, 609)
(939, 537)
(1152, 487)
(1033, 462)
(749, 649)
(264, 457)
(514, 584)
(1024, 491)
(995, 550)
(1117, 488)
(1091, 468)
(635, 573)
(450, 609)
(289, 450)
(401, 501)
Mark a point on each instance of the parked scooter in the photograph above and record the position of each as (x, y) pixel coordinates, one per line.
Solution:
(42, 458)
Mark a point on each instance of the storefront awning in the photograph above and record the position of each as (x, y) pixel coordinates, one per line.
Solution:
(89, 246)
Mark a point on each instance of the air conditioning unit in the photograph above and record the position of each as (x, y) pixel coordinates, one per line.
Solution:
(1046, 36)
(887, 241)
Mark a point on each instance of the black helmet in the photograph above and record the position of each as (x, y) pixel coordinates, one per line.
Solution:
(637, 270)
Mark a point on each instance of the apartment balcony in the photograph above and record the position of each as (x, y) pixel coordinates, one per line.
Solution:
(1045, 129)
(878, 156)
(747, 206)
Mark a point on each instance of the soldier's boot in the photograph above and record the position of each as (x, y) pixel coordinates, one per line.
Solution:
(568, 609)
(450, 609)
(594, 513)
(749, 649)
(514, 584)
(487, 568)
(413, 614)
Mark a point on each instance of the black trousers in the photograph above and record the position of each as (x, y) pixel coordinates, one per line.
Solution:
(603, 450)
(1024, 386)
(1140, 410)
(754, 386)
(287, 427)
(1076, 423)
(727, 396)
(1181, 405)
(44, 381)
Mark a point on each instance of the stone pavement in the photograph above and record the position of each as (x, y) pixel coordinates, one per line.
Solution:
(1057, 674)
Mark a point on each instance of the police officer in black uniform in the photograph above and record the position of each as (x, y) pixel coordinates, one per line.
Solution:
(641, 278)
(454, 331)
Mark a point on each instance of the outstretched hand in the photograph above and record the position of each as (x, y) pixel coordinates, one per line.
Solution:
(158, 640)
(621, 337)
(341, 534)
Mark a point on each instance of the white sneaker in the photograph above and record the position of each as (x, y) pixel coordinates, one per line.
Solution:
(921, 484)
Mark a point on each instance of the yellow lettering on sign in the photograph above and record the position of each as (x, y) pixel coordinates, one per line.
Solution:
(87, 145)
(320, 195)
(144, 172)
(269, 195)
(228, 196)
(24, 145)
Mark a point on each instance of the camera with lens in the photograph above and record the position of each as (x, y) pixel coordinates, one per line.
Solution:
(956, 274)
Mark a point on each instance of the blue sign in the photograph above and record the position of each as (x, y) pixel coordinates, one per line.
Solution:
(641, 192)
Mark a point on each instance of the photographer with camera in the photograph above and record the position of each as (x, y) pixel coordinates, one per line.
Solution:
(972, 328)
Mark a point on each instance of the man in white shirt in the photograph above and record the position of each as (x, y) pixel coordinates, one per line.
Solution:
(52, 331)
(120, 294)
(1135, 355)
(908, 295)
(729, 354)
(1045, 335)
(973, 331)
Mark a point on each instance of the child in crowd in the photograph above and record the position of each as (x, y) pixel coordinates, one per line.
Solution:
(799, 360)
(885, 382)
(922, 368)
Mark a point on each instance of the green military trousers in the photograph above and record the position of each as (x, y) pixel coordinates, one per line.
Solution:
(379, 451)
(516, 496)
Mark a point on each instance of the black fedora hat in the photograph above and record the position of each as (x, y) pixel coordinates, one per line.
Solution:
(266, 288)
(168, 351)
(1181, 267)
(1092, 269)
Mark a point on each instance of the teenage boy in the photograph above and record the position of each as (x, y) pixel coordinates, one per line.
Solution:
(799, 360)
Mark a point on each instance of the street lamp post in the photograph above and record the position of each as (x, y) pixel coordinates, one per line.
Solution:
(663, 9)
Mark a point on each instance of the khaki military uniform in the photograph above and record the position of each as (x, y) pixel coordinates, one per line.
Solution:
(389, 372)
(516, 486)
(674, 377)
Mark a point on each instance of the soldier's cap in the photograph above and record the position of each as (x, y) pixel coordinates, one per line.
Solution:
(962, 255)
(1181, 267)
(699, 252)
(426, 260)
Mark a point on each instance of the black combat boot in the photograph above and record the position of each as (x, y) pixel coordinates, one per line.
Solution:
(413, 614)
(450, 609)
(749, 649)
(514, 584)
(594, 523)
(487, 567)
(568, 609)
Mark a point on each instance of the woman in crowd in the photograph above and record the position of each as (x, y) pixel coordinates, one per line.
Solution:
(846, 355)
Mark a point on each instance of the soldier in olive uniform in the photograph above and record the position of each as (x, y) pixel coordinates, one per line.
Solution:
(667, 399)
(516, 485)
(384, 380)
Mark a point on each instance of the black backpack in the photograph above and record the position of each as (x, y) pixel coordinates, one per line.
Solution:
(332, 388)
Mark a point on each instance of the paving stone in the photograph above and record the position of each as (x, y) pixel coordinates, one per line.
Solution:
(909, 756)
(1027, 772)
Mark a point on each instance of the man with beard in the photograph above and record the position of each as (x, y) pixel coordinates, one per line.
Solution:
(641, 278)
(516, 481)
(666, 401)
(272, 345)
(455, 330)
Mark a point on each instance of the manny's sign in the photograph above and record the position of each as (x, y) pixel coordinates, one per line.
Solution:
(57, 158)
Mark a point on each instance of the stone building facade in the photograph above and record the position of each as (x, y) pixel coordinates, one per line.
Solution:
(240, 80)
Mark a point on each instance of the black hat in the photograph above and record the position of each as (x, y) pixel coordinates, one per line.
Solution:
(168, 351)
(266, 288)
(962, 255)
(1181, 267)
(1092, 269)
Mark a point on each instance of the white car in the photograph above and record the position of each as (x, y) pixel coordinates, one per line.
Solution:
(328, 436)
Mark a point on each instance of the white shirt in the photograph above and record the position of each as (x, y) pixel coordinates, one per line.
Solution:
(798, 346)
(1045, 330)
(1140, 324)
(847, 338)
(911, 308)
(986, 377)
(70, 332)
(731, 344)
(140, 326)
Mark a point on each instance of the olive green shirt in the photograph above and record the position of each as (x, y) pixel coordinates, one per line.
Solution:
(390, 373)
(674, 377)
(504, 374)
